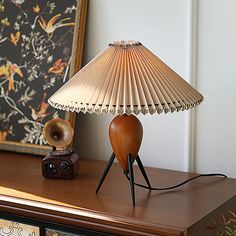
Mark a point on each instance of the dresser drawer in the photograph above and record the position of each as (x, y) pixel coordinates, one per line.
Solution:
(12, 225)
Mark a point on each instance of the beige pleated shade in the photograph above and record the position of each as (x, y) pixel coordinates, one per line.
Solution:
(126, 78)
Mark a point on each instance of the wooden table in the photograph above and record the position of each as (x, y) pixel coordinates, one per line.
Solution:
(188, 210)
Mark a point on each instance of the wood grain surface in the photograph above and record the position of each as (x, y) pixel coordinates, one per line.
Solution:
(126, 133)
(23, 191)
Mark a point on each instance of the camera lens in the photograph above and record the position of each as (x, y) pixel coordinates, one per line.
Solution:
(64, 165)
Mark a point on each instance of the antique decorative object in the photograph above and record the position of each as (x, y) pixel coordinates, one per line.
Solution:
(126, 78)
(38, 41)
(60, 163)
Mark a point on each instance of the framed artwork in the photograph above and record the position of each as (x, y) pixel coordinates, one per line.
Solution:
(41, 46)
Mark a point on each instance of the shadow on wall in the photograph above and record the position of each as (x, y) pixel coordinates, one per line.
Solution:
(91, 133)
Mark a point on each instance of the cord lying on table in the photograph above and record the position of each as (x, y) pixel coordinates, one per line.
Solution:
(177, 185)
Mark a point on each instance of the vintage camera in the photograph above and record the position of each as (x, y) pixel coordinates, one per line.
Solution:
(60, 163)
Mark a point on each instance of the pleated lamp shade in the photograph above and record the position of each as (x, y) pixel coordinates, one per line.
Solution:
(126, 78)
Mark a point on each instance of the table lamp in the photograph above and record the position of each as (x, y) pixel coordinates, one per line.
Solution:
(125, 79)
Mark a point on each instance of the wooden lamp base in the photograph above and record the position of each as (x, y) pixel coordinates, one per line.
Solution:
(126, 134)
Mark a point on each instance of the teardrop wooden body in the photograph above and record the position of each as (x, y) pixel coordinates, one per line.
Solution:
(126, 134)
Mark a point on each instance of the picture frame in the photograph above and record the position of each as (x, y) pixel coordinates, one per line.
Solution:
(41, 44)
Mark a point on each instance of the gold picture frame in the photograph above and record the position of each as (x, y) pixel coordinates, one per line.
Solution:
(41, 46)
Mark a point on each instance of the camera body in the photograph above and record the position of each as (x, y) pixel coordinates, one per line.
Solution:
(60, 165)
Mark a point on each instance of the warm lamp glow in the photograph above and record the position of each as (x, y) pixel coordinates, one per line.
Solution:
(126, 78)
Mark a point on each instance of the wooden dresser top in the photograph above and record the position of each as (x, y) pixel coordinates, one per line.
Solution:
(25, 192)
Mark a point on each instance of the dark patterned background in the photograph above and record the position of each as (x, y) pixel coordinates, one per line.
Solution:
(35, 53)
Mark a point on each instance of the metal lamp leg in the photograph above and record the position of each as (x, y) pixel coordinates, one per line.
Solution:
(109, 164)
(131, 176)
(129, 171)
(140, 164)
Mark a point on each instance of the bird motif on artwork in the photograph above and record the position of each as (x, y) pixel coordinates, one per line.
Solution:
(50, 26)
(40, 112)
(58, 67)
(9, 70)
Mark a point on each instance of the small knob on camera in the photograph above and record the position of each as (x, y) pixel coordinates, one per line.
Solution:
(64, 166)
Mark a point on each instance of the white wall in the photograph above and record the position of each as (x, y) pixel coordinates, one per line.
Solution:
(152, 23)
(165, 27)
(216, 122)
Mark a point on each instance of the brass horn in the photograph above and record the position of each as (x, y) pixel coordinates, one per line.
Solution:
(58, 133)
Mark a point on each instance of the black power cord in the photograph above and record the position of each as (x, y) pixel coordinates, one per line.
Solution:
(178, 185)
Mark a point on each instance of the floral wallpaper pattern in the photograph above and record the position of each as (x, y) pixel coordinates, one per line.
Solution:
(36, 39)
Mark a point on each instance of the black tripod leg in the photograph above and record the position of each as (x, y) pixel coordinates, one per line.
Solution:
(140, 164)
(131, 176)
(109, 164)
